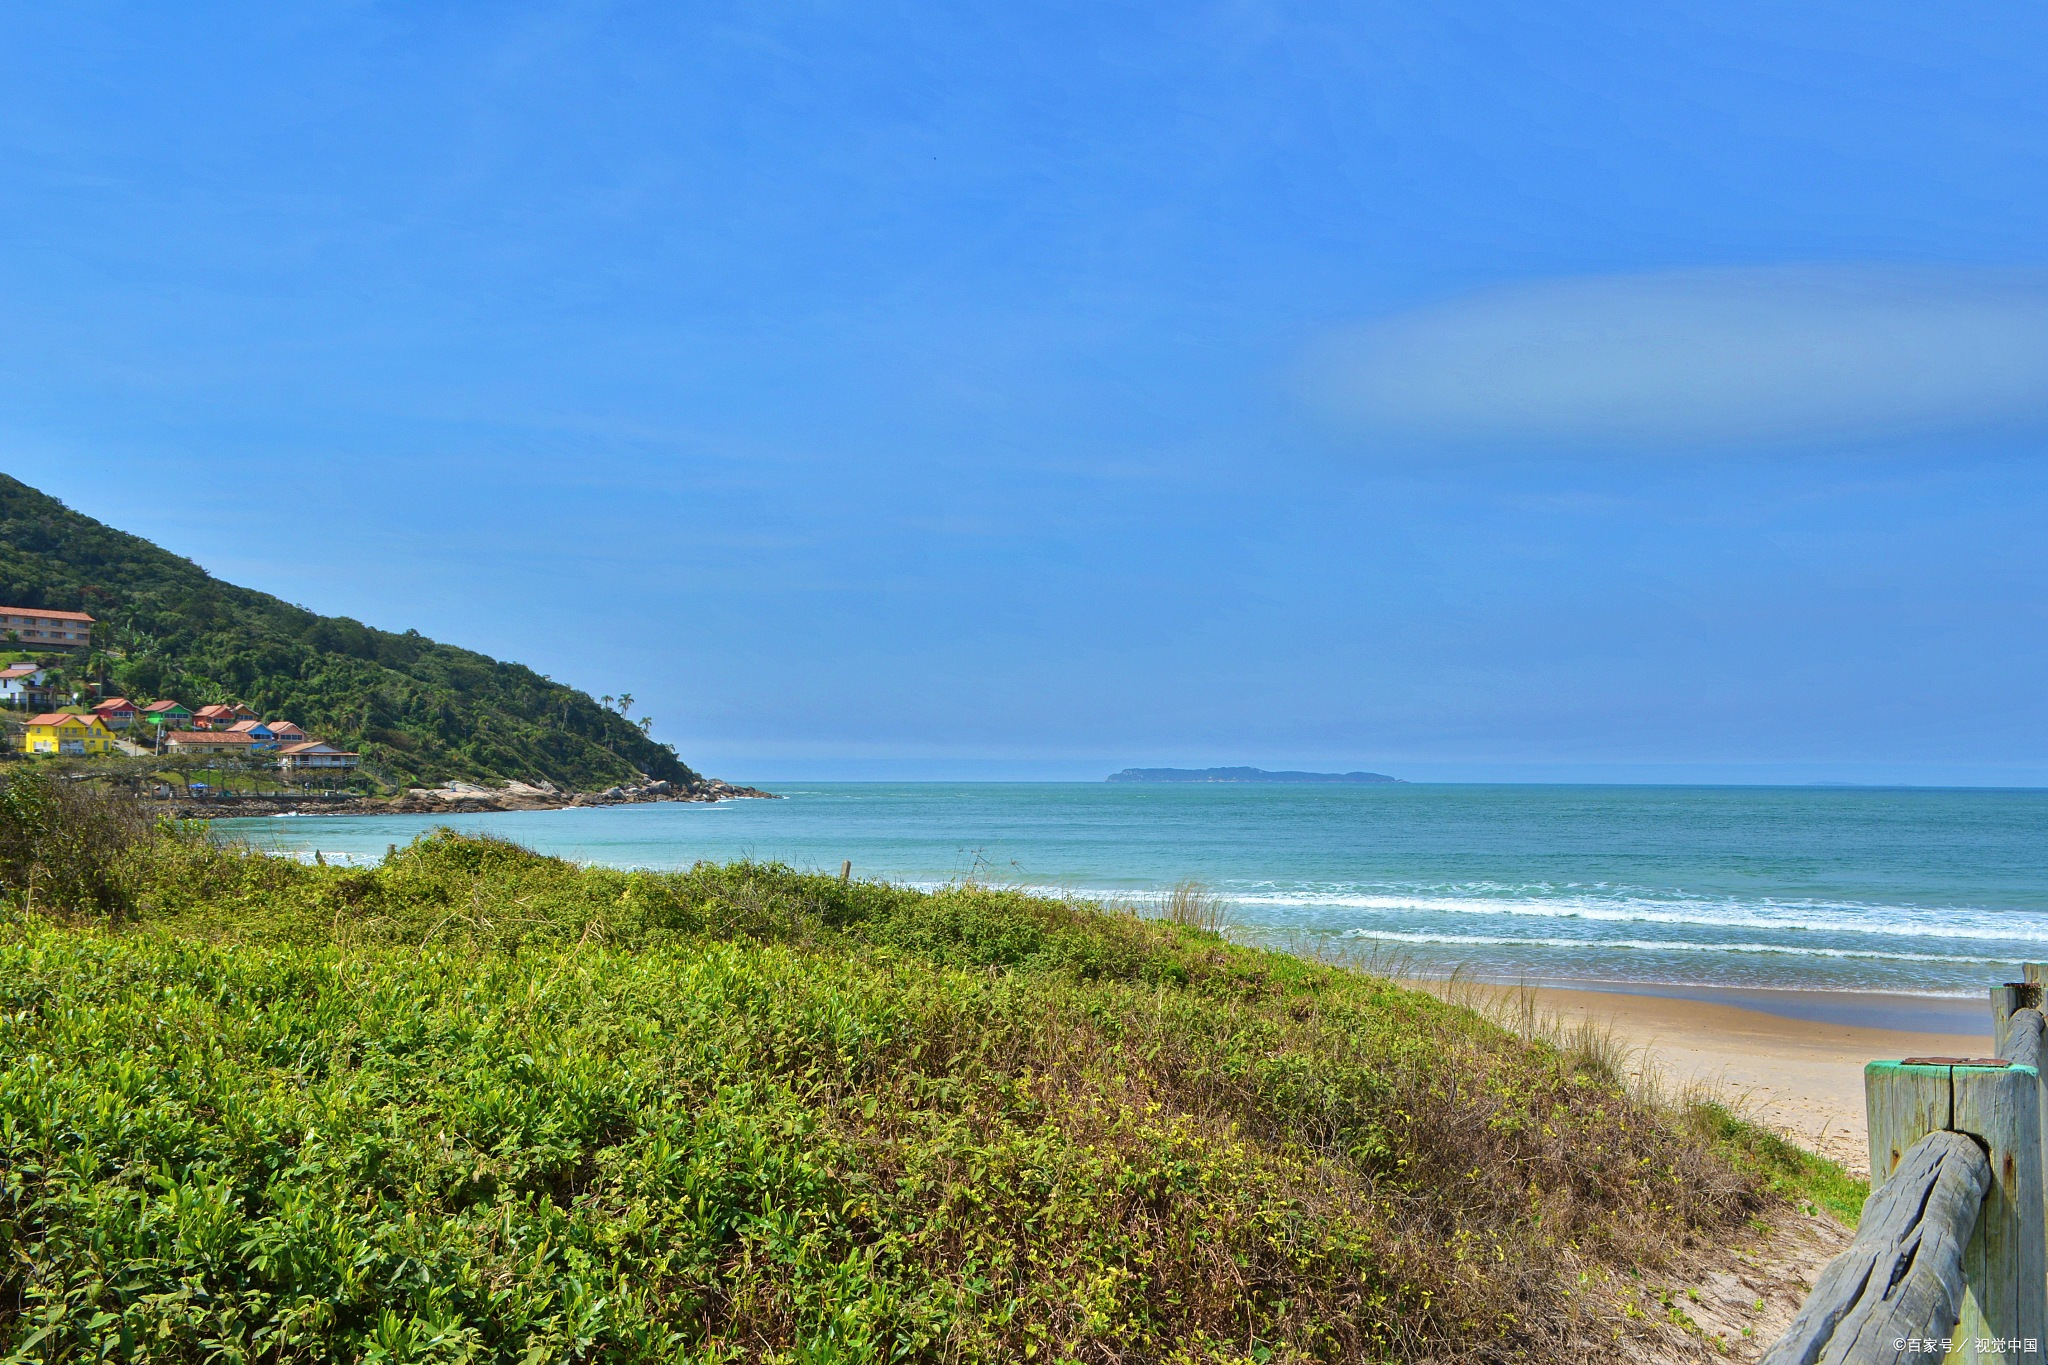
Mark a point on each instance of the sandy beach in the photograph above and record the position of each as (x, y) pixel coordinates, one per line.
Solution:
(1793, 1059)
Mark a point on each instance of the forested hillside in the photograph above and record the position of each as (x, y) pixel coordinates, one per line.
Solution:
(416, 709)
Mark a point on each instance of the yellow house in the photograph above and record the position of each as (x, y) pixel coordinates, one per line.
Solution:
(61, 732)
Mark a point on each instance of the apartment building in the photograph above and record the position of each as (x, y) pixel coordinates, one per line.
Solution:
(41, 628)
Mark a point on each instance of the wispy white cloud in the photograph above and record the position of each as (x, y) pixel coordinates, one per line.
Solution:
(1725, 357)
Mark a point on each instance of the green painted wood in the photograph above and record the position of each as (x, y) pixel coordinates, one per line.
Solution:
(1902, 1104)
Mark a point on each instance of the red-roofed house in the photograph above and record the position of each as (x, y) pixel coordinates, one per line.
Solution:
(171, 713)
(209, 741)
(63, 732)
(285, 732)
(221, 716)
(41, 628)
(118, 712)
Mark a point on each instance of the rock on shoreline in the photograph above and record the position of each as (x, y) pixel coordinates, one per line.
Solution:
(460, 798)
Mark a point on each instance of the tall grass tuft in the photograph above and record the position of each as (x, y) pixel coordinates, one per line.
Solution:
(1709, 1111)
(1193, 906)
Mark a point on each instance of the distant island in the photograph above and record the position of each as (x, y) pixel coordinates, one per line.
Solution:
(1238, 775)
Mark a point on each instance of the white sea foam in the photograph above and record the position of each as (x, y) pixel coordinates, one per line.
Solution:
(1626, 908)
(1625, 905)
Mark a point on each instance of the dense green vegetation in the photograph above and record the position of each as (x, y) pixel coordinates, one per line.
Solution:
(478, 1104)
(417, 710)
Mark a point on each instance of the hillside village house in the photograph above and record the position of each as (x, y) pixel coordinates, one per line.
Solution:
(261, 735)
(25, 685)
(40, 628)
(312, 753)
(315, 754)
(208, 741)
(234, 729)
(166, 715)
(62, 732)
(118, 712)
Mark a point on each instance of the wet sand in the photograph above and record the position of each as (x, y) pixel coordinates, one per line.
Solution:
(1792, 1059)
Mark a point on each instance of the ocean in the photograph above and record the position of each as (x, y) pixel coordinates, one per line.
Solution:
(1918, 891)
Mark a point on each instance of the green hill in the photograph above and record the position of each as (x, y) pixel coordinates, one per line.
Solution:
(417, 710)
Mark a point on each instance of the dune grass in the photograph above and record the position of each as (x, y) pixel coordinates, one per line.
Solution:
(1192, 905)
(1712, 1114)
(478, 1104)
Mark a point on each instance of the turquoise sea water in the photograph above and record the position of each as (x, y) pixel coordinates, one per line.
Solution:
(1926, 891)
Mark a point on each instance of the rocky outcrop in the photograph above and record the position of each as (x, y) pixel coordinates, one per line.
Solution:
(456, 798)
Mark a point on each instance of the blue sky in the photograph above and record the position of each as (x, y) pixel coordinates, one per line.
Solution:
(1487, 391)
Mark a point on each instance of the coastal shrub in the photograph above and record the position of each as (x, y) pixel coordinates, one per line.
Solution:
(1805, 1177)
(65, 845)
(478, 1104)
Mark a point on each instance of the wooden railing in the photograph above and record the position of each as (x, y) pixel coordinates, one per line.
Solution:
(1950, 1261)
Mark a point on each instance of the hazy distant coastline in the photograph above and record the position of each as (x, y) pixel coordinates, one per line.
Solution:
(1238, 775)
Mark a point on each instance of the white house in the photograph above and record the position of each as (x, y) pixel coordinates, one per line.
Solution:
(25, 685)
(315, 753)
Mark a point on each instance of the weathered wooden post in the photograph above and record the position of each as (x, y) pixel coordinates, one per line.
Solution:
(2006, 1266)
(1996, 1102)
(1953, 1244)
(2008, 1000)
(1894, 1296)
(2024, 1043)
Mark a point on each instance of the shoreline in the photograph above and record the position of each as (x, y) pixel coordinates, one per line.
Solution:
(455, 799)
(1883, 1010)
(1800, 1073)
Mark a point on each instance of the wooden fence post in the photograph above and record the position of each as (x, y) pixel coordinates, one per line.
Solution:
(2006, 1001)
(2006, 1266)
(1955, 1234)
(2025, 1044)
(1999, 1104)
(1893, 1297)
